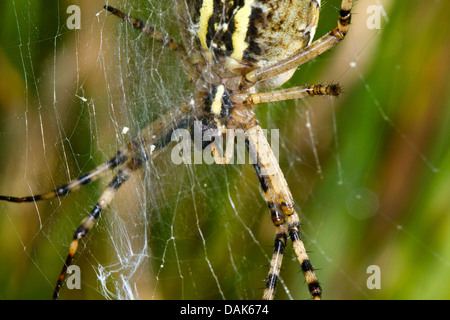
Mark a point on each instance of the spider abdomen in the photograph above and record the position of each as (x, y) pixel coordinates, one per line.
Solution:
(240, 35)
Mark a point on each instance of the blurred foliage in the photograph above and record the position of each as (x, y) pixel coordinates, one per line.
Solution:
(372, 184)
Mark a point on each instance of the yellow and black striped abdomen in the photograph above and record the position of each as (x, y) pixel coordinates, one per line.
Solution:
(240, 35)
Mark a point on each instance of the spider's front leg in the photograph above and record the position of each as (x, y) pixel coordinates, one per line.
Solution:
(281, 205)
(300, 92)
(165, 39)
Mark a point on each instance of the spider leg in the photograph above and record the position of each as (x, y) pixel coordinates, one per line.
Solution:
(74, 185)
(275, 262)
(156, 135)
(164, 38)
(285, 94)
(122, 156)
(306, 54)
(300, 251)
(281, 205)
(147, 29)
(149, 144)
(89, 222)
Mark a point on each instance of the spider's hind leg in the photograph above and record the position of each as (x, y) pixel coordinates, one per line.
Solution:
(281, 205)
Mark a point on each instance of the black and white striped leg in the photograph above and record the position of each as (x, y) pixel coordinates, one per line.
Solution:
(63, 190)
(275, 263)
(149, 141)
(281, 205)
(88, 223)
(165, 39)
(300, 251)
(286, 94)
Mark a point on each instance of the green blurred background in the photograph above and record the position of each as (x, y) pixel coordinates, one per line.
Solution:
(370, 171)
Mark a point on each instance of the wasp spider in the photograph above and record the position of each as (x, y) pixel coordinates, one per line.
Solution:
(231, 51)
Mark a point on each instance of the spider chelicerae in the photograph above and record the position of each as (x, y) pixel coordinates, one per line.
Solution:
(230, 53)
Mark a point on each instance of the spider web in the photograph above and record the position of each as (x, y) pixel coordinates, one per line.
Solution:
(71, 98)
